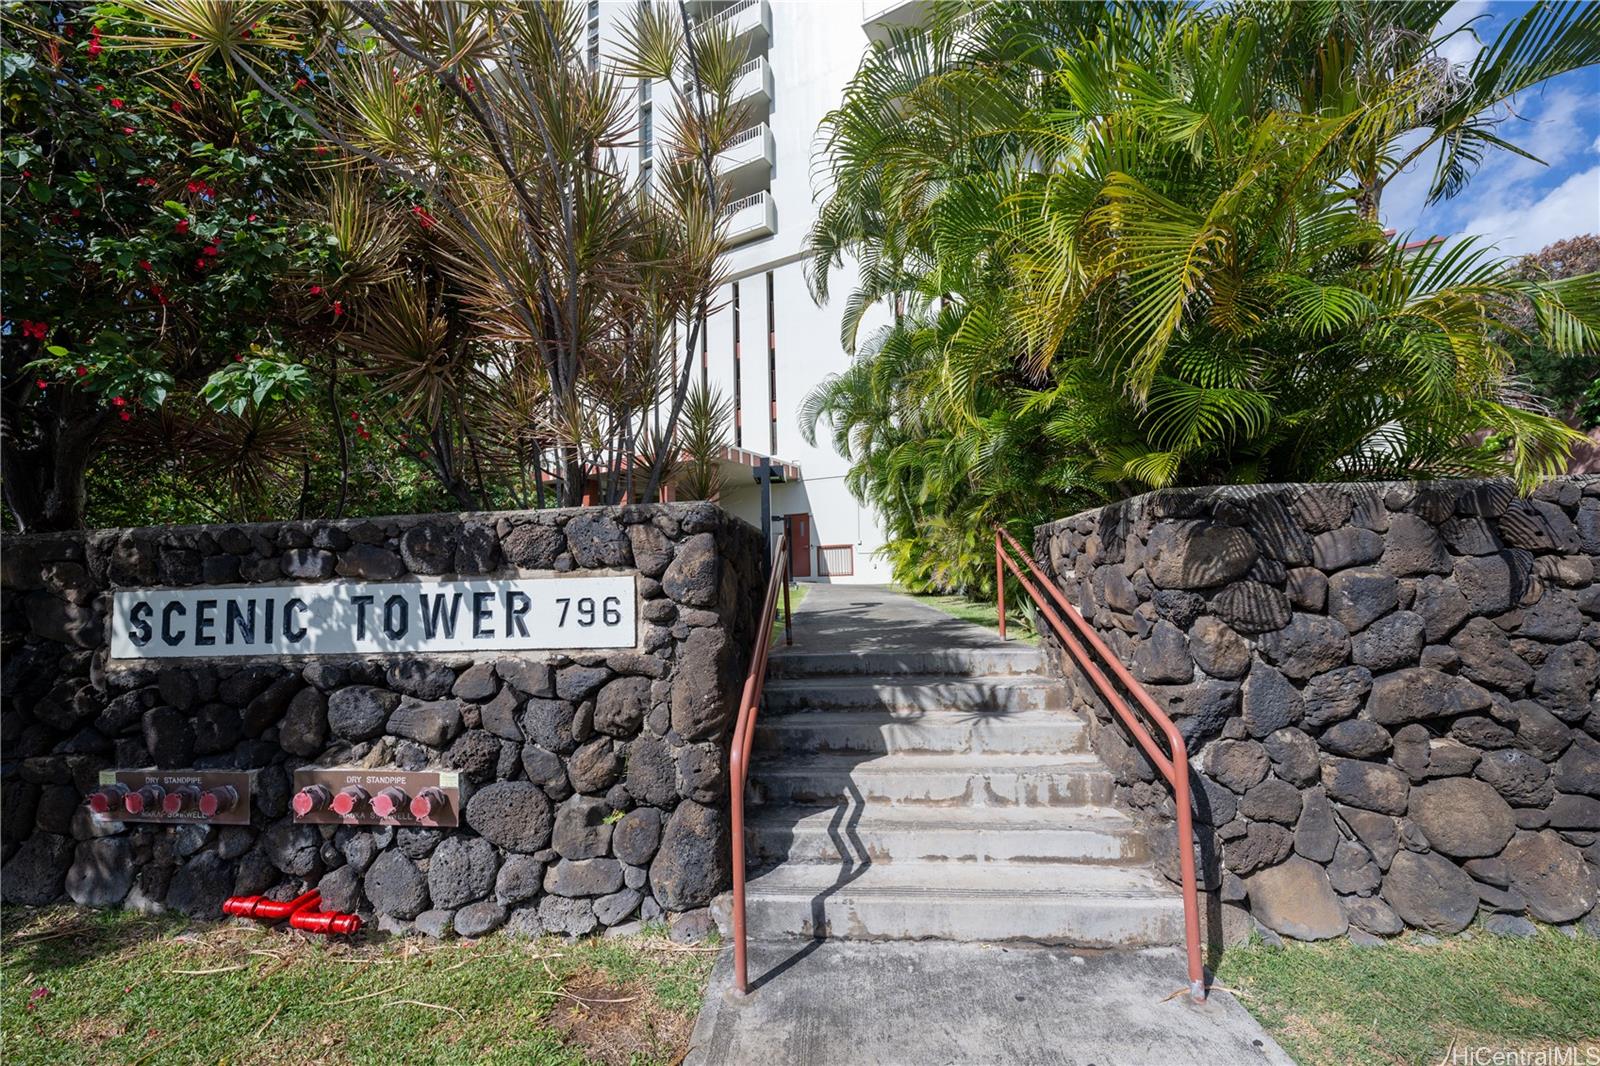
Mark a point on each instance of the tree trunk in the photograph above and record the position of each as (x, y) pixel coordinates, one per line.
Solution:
(44, 480)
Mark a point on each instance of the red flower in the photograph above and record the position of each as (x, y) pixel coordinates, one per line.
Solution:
(364, 435)
(118, 401)
(182, 226)
(212, 249)
(322, 149)
(338, 308)
(177, 106)
(125, 416)
(81, 370)
(252, 218)
(151, 182)
(238, 357)
(316, 290)
(94, 48)
(200, 264)
(422, 216)
(144, 264)
(127, 131)
(355, 416)
(159, 294)
(299, 83)
(194, 82)
(116, 102)
(42, 383)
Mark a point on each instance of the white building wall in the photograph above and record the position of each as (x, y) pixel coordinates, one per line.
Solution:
(813, 49)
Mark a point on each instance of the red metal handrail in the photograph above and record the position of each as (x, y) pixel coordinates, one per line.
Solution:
(743, 734)
(1089, 651)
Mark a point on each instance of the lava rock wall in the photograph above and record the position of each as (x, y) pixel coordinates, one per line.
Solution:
(595, 783)
(1388, 692)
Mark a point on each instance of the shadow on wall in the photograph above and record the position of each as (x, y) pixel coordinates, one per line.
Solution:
(1388, 691)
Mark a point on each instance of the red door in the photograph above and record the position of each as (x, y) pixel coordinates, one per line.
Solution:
(800, 543)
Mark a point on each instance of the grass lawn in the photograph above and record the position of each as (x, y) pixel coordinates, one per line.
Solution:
(98, 987)
(1409, 1003)
(980, 614)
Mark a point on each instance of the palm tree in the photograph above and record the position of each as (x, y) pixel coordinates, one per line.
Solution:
(1141, 250)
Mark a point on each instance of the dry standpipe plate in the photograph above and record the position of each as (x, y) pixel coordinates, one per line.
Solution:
(353, 795)
(170, 797)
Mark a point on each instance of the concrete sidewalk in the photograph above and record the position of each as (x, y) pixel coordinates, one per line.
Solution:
(931, 1003)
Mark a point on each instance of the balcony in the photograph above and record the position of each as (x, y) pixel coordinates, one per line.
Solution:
(751, 218)
(878, 16)
(748, 20)
(752, 89)
(749, 158)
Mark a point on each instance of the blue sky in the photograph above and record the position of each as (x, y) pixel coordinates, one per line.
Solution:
(1521, 205)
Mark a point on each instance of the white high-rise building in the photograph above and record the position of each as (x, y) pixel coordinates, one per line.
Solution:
(768, 342)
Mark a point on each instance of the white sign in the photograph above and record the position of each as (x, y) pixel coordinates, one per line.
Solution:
(360, 618)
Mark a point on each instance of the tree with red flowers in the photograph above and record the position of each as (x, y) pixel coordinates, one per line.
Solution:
(150, 229)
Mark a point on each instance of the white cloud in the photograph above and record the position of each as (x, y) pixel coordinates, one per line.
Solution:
(1464, 47)
(1595, 147)
(1525, 224)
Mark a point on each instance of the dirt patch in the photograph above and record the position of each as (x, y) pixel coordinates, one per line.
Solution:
(618, 1024)
(96, 1029)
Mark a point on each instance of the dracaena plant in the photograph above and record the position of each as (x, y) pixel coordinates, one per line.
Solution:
(1135, 246)
(533, 324)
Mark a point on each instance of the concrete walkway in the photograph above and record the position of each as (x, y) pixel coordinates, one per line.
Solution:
(930, 1003)
(876, 618)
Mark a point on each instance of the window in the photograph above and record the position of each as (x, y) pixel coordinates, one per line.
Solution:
(836, 560)
(738, 392)
(594, 34)
(772, 367)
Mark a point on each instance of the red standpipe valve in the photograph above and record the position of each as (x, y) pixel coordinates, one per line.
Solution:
(312, 798)
(181, 799)
(390, 801)
(147, 798)
(219, 800)
(107, 798)
(349, 798)
(428, 803)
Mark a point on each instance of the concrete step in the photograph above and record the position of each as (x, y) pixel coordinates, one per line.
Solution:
(920, 732)
(986, 780)
(911, 693)
(1031, 835)
(1002, 660)
(1080, 906)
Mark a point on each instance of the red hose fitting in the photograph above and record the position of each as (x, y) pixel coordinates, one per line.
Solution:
(219, 800)
(328, 923)
(428, 803)
(240, 906)
(147, 798)
(270, 910)
(311, 798)
(349, 798)
(180, 799)
(391, 800)
(106, 798)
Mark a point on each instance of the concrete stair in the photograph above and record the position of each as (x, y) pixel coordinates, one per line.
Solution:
(939, 793)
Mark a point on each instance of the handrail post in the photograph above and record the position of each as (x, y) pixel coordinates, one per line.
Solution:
(1000, 584)
(788, 625)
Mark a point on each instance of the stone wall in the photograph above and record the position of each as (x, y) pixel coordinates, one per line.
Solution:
(1388, 692)
(593, 783)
